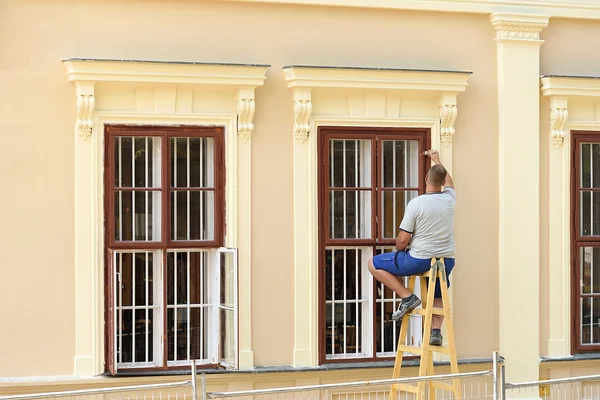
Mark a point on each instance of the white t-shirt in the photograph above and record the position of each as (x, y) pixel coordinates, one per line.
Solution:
(430, 220)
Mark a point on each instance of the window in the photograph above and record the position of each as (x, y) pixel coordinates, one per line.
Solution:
(172, 290)
(366, 179)
(586, 241)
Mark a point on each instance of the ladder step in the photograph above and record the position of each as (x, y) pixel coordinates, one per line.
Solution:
(422, 311)
(440, 349)
(419, 350)
(443, 386)
(403, 387)
(410, 349)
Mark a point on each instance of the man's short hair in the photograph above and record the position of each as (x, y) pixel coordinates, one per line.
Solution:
(437, 175)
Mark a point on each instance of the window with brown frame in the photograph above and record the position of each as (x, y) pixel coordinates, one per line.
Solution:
(172, 289)
(585, 242)
(367, 176)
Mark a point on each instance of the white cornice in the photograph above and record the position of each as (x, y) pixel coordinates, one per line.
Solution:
(553, 8)
(518, 27)
(86, 73)
(559, 89)
(307, 77)
(94, 70)
(578, 86)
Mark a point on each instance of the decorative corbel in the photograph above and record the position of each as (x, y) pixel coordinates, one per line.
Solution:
(245, 109)
(558, 120)
(86, 104)
(302, 114)
(245, 113)
(448, 113)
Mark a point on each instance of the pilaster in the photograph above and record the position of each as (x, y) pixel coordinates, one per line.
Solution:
(559, 229)
(518, 44)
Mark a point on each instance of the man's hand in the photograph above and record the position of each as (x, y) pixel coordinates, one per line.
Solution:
(434, 155)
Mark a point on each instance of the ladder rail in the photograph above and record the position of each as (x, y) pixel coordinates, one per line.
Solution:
(435, 274)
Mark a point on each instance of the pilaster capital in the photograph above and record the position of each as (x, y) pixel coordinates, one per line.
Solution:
(518, 27)
(245, 113)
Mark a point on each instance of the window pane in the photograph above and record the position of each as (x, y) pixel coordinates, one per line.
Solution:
(135, 273)
(590, 213)
(187, 305)
(192, 162)
(227, 339)
(227, 292)
(137, 161)
(590, 321)
(192, 215)
(350, 163)
(590, 165)
(344, 303)
(400, 166)
(393, 204)
(350, 214)
(590, 270)
(137, 220)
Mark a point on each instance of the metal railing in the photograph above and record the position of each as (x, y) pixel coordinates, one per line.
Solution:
(575, 388)
(159, 391)
(473, 385)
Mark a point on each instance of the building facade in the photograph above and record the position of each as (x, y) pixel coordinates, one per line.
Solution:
(213, 175)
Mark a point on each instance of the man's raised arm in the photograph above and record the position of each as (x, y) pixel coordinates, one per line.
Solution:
(435, 157)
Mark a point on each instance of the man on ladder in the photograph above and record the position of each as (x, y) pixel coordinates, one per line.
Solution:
(429, 222)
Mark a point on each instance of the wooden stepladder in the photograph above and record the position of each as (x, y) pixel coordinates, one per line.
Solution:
(437, 272)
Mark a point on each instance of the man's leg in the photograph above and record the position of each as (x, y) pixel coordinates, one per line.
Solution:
(386, 268)
(388, 280)
(437, 320)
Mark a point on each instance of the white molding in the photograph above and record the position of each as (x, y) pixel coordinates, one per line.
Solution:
(307, 77)
(518, 27)
(155, 105)
(561, 90)
(374, 97)
(553, 8)
(302, 80)
(570, 86)
(141, 71)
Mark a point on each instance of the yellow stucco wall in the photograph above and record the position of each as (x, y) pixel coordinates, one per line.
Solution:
(37, 113)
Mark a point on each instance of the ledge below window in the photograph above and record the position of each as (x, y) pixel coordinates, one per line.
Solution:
(325, 367)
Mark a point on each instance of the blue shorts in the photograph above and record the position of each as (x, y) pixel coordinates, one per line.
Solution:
(401, 263)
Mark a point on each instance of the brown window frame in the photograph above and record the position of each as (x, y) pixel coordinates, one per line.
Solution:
(577, 240)
(377, 135)
(166, 243)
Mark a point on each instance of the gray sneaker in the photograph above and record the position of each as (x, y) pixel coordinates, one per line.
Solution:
(406, 305)
(436, 338)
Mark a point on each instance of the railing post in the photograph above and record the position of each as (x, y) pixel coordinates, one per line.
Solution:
(203, 386)
(194, 389)
(495, 366)
(503, 382)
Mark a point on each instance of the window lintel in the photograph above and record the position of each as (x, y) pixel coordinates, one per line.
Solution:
(107, 70)
(304, 76)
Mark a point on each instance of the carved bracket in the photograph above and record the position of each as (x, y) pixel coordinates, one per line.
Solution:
(245, 109)
(302, 114)
(85, 115)
(448, 115)
(558, 120)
